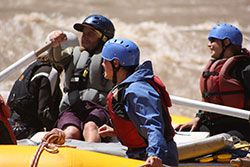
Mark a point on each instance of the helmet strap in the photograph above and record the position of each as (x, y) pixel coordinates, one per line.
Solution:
(115, 70)
(98, 47)
(224, 48)
(101, 42)
(104, 38)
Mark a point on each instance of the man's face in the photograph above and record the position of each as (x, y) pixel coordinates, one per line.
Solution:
(108, 69)
(90, 38)
(215, 46)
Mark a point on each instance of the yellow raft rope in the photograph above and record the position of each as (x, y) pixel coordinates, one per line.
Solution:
(50, 142)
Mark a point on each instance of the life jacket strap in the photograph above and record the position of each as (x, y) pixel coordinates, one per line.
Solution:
(207, 74)
(209, 94)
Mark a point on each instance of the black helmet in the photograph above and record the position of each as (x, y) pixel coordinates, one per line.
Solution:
(99, 22)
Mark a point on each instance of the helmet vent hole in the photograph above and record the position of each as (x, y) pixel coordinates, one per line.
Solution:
(127, 46)
(121, 42)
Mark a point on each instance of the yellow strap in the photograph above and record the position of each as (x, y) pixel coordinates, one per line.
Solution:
(224, 156)
(207, 159)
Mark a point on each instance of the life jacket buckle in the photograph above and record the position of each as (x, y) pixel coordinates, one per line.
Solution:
(205, 94)
(207, 74)
(85, 73)
(75, 79)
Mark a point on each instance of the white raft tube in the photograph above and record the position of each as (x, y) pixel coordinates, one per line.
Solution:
(214, 108)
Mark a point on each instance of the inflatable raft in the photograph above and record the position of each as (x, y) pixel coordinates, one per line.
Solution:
(23, 155)
(190, 145)
(13, 156)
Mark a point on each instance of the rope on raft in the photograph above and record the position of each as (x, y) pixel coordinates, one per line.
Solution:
(50, 142)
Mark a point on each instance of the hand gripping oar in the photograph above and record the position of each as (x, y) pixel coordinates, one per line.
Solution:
(23, 61)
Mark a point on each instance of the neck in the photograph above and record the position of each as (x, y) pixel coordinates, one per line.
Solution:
(228, 53)
(121, 75)
(232, 50)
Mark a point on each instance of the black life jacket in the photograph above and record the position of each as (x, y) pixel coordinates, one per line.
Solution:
(20, 99)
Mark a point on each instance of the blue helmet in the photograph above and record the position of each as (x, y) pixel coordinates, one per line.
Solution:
(98, 22)
(124, 50)
(223, 31)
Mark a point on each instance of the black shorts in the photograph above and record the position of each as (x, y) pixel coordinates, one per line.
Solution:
(226, 124)
(81, 113)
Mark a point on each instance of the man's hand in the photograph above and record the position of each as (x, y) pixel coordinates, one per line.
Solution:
(153, 161)
(106, 131)
(191, 125)
(56, 37)
(56, 136)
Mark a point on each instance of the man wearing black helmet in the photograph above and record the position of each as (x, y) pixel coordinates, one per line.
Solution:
(85, 87)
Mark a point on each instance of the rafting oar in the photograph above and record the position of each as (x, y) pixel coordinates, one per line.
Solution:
(23, 61)
(214, 108)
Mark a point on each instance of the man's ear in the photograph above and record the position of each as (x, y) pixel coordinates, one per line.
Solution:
(226, 42)
(116, 63)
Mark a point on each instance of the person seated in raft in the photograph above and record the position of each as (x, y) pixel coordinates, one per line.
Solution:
(82, 109)
(35, 97)
(138, 106)
(224, 81)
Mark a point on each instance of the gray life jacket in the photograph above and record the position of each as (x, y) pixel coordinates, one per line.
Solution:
(84, 79)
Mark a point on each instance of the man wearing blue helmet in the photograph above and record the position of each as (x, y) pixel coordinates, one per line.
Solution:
(225, 81)
(85, 88)
(138, 106)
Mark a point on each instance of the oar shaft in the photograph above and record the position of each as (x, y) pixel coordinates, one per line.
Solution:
(43, 49)
(214, 108)
(17, 65)
(23, 61)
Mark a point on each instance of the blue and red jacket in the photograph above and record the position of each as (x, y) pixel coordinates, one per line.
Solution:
(138, 108)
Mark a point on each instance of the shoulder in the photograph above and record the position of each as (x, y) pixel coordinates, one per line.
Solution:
(240, 62)
(141, 88)
(46, 72)
(44, 68)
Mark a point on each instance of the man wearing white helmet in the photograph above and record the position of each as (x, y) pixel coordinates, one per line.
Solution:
(85, 87)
